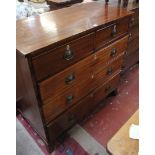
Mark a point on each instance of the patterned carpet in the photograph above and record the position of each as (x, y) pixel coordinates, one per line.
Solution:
(78, 142)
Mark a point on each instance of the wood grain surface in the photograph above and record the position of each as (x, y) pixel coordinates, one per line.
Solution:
(120, 143)
(36, 33)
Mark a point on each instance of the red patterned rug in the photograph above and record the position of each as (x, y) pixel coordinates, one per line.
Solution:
(69, 147)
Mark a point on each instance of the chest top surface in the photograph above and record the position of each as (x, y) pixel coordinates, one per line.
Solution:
(41, 31)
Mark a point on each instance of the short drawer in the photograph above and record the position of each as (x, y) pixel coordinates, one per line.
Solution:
(63, 81)
(105, 89)
(55, 106)
(111, 32)
(69, 118)
(111, 52)
(62, 57)
(133, 46)
(106, 72)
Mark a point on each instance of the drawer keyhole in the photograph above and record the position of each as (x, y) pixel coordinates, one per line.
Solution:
(70, 78)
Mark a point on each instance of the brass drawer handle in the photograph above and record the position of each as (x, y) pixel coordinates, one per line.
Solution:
(70, 78)
(68, 55)
(113, 52)
(69, 98)
(114, 31)
(107, 88)
(109, 71)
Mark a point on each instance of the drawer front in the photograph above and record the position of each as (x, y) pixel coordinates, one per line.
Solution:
(62, 57)
(69, 118)
(111, 32)
(134, 33)
(55, 106)
(105, 89)
(106, 72)
(66, 79)
(111, 52)
(133, 46)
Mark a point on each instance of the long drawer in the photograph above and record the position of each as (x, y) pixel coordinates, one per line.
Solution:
(77, 112)
(111, 32)
(62, 57)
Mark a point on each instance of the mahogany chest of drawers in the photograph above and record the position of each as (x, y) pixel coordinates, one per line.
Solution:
(68, 61)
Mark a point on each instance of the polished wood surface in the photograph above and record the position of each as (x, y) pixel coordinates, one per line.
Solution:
(55, 60)
(40, 32)
(120, 143)
(66, 79)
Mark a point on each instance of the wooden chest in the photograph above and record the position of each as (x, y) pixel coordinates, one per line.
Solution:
(68, 61)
